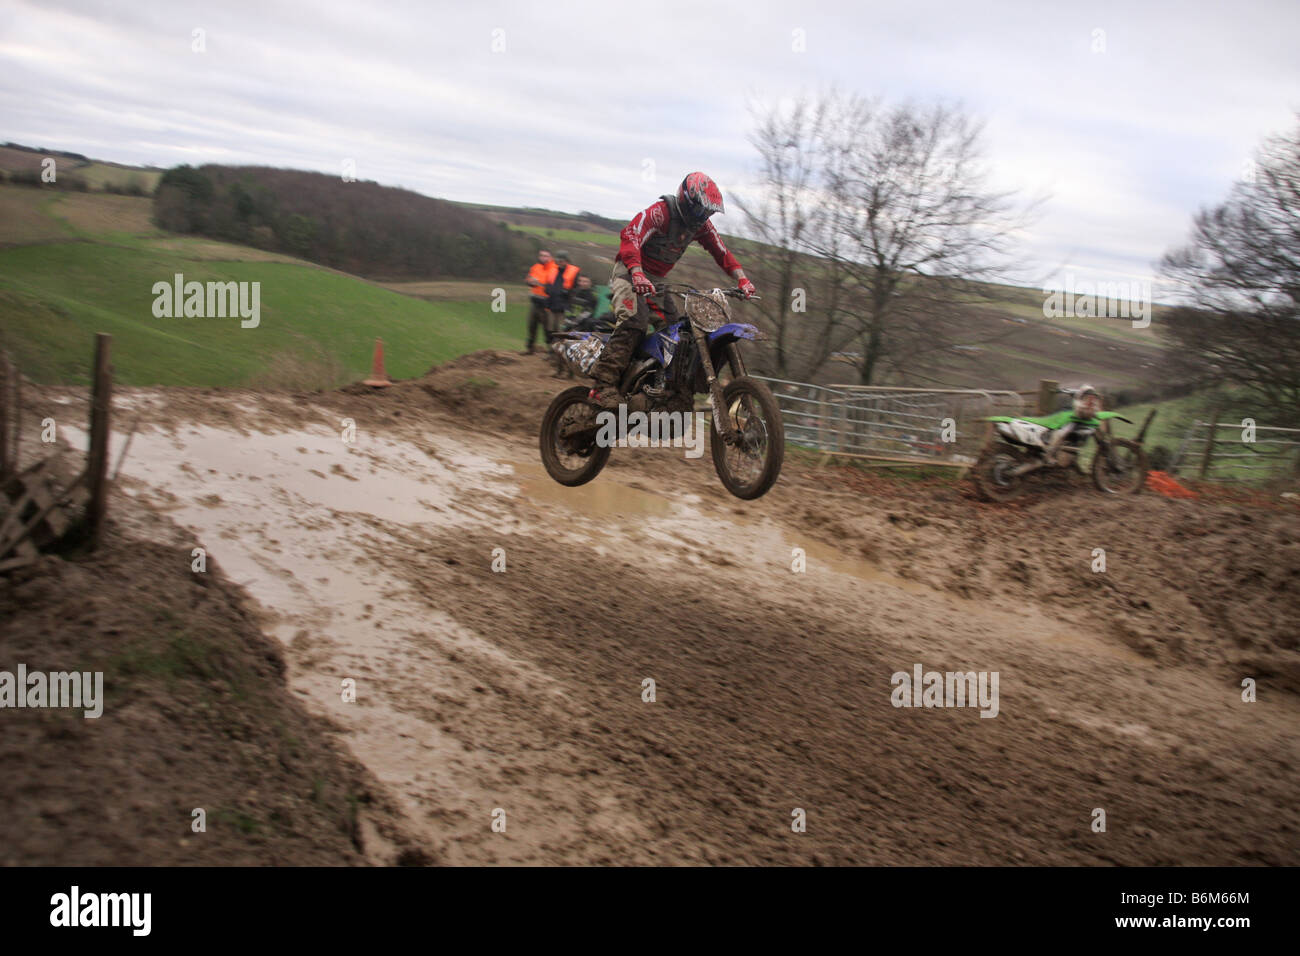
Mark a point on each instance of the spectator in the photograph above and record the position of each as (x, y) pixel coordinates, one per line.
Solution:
(582, 304)
(562, 289)
(540, 277)
(562, 283)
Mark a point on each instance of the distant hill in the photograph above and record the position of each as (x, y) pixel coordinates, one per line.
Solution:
(73, 264)
(358, 227)
(40, 151)
(22, 165)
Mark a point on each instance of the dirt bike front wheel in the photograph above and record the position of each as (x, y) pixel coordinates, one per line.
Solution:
(992, 473)
(569, 449)
(1120, 469)
(749, 467)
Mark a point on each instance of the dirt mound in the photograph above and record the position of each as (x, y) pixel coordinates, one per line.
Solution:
(773, 696)
(492, 391)
(195, 715)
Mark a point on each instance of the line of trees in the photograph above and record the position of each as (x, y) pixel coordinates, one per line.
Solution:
(359, 227)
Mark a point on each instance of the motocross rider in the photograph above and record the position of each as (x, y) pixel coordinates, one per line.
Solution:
(1086, 405)
(649, 246)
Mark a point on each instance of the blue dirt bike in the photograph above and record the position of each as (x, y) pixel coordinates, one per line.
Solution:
(670, 367)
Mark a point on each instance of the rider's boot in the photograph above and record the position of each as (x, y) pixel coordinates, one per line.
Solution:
(606, 396)
(611, 365)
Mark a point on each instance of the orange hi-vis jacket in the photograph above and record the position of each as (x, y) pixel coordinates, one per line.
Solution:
(570, 276)
(540, 276)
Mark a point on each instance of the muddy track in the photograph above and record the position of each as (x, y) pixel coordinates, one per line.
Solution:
(520, 691)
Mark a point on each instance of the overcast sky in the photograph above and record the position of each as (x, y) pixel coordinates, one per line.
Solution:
(562, 105)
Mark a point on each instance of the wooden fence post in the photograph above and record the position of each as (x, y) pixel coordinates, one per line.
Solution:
(1047, 390)
(1209, 443)
(97, 457)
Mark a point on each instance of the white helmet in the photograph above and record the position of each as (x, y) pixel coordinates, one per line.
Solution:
(1087, 401)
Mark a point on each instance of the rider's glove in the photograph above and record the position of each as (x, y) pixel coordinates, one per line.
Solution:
(745, 286)
(641, 285)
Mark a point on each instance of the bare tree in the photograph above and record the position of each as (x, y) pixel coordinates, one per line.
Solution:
(788, 222)
(885, 218)
(921, 231)
(1238, 281)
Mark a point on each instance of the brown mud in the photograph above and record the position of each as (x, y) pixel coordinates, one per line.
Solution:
(501, 631)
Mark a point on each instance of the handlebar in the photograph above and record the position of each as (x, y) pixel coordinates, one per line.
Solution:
(675, 289)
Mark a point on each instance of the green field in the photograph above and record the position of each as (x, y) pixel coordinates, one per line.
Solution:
(1175, 417)
(570, 235)
(99, 175)
(73, 265)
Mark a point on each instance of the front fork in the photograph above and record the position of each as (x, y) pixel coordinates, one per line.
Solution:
(717, 404)
(1106, 447)
(737, 363)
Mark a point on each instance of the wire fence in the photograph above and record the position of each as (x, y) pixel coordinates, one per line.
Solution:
(1238, 453)
(947, 427)
(904, 426)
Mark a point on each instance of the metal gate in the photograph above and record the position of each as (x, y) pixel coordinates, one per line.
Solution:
(916, 426)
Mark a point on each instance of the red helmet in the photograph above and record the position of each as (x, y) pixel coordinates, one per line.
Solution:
(698, 198)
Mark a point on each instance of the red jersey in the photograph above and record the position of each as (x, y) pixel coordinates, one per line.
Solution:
(657, 237)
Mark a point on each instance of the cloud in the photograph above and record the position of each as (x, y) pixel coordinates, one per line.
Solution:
(563, 105)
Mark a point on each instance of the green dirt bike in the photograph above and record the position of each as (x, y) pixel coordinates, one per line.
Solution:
(1022, 446)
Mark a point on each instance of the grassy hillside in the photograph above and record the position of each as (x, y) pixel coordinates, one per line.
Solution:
(1175, 417)
(583, 237)
(75, 264)
(381, 232)
(98, 176)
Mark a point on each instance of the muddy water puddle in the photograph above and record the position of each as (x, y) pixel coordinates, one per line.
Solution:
(596, 499)
(391, 480)
(732, 543)
(682, 522)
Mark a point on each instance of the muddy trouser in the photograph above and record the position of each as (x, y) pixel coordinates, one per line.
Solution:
(1057, 439)
(554, 324)
(539, 317)
(632, 313)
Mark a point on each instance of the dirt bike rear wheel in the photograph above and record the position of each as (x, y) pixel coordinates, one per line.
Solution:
(571, 459)
(748, 470)
(990, 473)
(1123, 471)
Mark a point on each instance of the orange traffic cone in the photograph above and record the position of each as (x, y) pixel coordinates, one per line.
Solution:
(378, 377)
